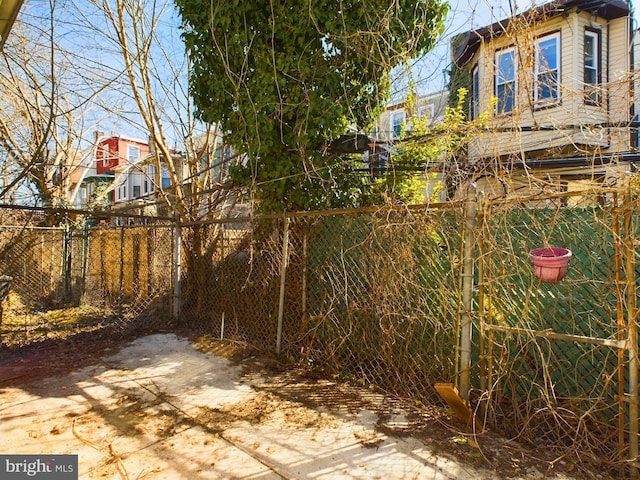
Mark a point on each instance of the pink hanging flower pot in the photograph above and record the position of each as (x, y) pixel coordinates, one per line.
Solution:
(550, 263)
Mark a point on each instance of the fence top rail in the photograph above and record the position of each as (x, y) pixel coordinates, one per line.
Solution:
(156, 226)
(27, 227)
(431, 206)
(99, 214)
(537, 198)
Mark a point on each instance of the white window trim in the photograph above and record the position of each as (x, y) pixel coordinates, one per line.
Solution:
(121, 190)
(498, 55)
(164, 175)
(538, 71)
(105, 155)
(136, 180)
(426, 112)
(395, 114)
(475, 92)
(129, 151)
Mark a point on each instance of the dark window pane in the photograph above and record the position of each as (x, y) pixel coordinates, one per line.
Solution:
(548, 86)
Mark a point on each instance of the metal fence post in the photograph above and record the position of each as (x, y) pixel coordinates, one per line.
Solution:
(305, 273)
(177, 271)
(632, 322)
(470, 221)
(85, 262)
(283, 276)
(121, 278)
(66, 249)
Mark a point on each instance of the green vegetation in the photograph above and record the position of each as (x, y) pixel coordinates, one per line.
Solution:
(422, 147)
(283, 78)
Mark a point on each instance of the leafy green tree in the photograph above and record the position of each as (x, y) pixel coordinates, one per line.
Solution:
(282, 78)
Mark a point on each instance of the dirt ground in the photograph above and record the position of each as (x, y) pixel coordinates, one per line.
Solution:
(165, 407)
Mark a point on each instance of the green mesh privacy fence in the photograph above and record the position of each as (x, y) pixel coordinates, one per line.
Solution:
(383, 298)
(554, 362)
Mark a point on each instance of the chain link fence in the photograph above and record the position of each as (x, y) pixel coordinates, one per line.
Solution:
(371, 296)
(376, 296)
(556, 358)
(65, 280)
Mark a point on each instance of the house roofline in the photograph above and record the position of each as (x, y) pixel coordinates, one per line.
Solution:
(125, 138)
(607, 9)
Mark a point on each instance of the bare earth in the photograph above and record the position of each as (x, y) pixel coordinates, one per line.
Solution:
(160, 408)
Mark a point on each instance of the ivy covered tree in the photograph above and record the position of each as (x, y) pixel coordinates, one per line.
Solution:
(282, 78)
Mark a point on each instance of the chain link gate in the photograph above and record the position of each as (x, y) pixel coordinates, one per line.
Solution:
(558, 363)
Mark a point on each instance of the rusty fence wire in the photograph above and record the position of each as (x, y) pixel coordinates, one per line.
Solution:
(67, 280)
(557, 360)
(372, 296)
(377, 297)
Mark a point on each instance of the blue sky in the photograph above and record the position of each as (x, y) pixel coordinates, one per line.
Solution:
(429, 74)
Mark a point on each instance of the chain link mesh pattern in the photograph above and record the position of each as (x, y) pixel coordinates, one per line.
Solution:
(383, 298)
(371, 297)
(128, 271)
(564, 389)
(230, 281)
(106, 276)
(375, 296)
(35, 260)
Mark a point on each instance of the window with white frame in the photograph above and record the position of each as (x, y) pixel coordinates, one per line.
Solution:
(505, 81)
(592, 62)
(426, 112)
(547, 70)
(121, 191)
(105, 155)
(149, 179)
(165, 178)
(474, 101)
(133, 153)
(397, 121)
(136, 185)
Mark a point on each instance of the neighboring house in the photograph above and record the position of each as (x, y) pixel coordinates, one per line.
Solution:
(124, 174)
(84, 182)
(136, 185)
(118, 150)
(395, 120)
(557, 80)
(94, 176)
(394, 124)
